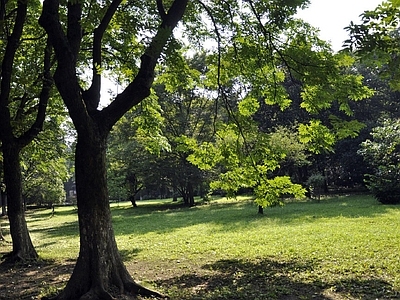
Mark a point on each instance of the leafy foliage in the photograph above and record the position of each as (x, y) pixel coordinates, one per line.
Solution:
(133, 146)
(248, 161)
(376, 40)
(382, 153)
(44, 169)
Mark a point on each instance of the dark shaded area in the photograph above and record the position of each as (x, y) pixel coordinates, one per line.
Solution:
(269, 279)
(224, 279)
(29, 281)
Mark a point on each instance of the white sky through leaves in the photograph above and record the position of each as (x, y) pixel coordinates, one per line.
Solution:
(332, 16)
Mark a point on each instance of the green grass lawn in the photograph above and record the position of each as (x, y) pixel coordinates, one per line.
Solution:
(341, 248)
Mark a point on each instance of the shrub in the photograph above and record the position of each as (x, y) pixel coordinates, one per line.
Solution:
(382, 153)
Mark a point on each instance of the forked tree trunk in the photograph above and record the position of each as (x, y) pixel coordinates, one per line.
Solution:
(99, 269)
(23, 249)
(98, 254)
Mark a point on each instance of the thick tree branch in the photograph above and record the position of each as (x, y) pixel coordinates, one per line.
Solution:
(65, 76)
(6, 70)
(74, 28)
(92, 95)
(139, 88)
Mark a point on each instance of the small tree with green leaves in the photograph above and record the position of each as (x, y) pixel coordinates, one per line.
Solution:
(316, 183)
(382, 153)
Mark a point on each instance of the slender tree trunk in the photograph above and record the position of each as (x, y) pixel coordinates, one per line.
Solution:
(23, 249)
(190, 193)
(133, 200)
(3, 203)
(185, 195)
(98, 254)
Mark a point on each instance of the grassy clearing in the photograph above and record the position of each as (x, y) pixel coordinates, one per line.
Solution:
(340, 248)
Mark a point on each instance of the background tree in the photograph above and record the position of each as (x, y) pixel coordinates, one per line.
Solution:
(189, 113)
(345, 168)
(134, 146)
(375, 42)
(296, 156)
(24, 94)
(180, 110)
(44, 165)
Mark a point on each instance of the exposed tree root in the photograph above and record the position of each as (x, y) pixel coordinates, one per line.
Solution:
(98, 294)
(12, 258)
(138, 289)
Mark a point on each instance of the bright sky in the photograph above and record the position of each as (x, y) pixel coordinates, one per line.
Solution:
(331, 16)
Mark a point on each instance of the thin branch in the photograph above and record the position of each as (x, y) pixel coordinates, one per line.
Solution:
(34, 38)
(47, 83)
(210, 14)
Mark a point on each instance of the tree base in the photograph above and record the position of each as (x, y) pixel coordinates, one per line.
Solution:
(17, 257)
(131, 291)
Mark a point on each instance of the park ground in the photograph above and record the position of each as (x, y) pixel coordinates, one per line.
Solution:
(343, 247)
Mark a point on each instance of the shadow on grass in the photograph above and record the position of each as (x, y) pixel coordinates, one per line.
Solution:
(161, 218)
(130, 254)
(48, 212)
(168, 216)
(269, 279)
(62, 230)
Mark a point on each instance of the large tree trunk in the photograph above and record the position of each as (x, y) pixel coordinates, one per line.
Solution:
(23, 249)
(98, 254)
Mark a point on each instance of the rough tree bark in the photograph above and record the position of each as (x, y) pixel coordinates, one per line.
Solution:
(23, 249)
(99, 272)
